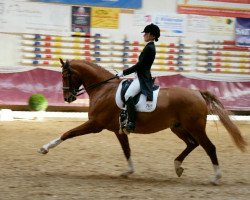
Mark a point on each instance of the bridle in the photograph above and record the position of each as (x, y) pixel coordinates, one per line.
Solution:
(67, 72)
(72, 89)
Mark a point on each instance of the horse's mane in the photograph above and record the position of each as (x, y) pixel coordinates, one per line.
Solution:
(96, 67)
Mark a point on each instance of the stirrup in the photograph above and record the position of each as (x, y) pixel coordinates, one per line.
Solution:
(130, 127)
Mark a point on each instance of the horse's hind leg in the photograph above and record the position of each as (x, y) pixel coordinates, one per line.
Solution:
(191, 145)
(123, 139)
(210, 149)
(199, 134)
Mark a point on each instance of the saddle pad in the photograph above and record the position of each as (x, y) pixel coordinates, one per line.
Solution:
(143, 105)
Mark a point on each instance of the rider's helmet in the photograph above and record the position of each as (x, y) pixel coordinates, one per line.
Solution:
(153, 29)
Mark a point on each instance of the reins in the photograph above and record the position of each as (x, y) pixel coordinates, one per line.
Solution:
(94, 85)
(101, 83)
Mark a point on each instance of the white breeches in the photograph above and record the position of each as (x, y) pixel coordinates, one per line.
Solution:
(133, 89)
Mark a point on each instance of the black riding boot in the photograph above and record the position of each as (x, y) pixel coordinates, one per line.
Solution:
(131, 115)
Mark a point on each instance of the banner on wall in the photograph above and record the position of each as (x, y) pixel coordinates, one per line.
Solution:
(234, 95)
(226, 8)
(81, 19)
(134, 4)
(27, 17)
(170, 25)
(221, 25)
(105, 17)
(215, 25)
(242, 32)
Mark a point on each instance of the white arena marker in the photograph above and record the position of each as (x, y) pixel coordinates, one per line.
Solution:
(6, 115)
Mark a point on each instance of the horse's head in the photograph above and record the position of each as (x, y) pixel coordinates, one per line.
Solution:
(71, 82)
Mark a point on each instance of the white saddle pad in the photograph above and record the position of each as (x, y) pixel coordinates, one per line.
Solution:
(143, 105)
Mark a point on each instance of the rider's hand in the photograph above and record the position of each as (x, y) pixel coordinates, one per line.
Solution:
(119, 74)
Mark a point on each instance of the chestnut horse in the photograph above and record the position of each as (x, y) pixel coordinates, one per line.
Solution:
(182, 110)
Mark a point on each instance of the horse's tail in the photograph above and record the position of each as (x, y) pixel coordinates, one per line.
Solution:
(217, 108)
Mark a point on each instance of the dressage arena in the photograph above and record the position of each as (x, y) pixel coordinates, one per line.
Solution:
(88, 167)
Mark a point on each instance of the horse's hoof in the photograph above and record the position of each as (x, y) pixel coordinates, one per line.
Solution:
(215, 180)
(43, 151)
(126, 174)
(179, 171)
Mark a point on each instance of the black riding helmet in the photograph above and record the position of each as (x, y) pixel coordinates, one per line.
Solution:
(153, 29)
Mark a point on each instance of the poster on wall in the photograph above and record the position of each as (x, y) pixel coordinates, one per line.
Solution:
(197, 24)
(26, 17)
(226, 8)
(170, 25)
(211, 25)
(134, 4)
(105, 17)
(142, 19)
(223, 26)
(81, 19)
(242, 32)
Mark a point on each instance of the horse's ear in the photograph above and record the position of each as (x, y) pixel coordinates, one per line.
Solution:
(61, 61)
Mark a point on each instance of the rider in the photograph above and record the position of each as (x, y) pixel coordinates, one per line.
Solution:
(143, 80)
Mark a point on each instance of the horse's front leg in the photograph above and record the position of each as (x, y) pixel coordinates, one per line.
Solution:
(123, 139)
(86, 128)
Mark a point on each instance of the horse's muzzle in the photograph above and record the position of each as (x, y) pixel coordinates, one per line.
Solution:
(70, 98)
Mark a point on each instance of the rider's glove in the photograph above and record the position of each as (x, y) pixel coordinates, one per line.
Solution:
(119, 74)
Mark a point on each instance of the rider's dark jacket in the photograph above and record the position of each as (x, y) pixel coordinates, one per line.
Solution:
(142, 68)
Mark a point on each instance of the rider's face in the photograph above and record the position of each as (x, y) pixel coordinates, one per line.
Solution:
(148, 37)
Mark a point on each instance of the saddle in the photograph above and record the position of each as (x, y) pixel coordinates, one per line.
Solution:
(140, 100)
(125, 86)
